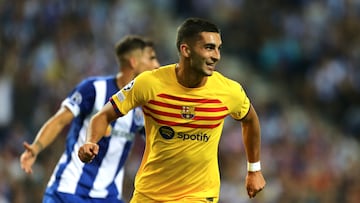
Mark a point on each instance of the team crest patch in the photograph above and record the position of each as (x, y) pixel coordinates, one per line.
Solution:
(76, 98)
(188, 112)
(129, 85)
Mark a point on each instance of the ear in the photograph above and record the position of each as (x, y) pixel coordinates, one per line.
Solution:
(133, 62)
(185, 50)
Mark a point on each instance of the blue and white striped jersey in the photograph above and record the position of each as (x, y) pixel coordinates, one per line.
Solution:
(103, 177)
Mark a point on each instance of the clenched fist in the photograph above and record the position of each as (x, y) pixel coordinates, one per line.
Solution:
(254, 183)
(88, 151)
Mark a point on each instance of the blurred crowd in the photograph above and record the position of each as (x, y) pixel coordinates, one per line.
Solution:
(298, 61)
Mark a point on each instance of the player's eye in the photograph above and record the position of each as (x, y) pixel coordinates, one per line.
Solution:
(209, 47)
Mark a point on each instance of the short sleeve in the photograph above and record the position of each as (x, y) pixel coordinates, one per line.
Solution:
(134, 94)
(81, 99)
(242, 105)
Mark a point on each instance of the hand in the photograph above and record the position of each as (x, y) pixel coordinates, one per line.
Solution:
(88, 151)
(28, 158)
(254, 183)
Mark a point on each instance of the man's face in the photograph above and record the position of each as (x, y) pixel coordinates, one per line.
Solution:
(205, 53)
(146, 60)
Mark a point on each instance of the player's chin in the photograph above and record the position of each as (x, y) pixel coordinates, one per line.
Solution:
(209, 72)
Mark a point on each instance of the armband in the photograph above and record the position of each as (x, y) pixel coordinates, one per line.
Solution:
(252, 167)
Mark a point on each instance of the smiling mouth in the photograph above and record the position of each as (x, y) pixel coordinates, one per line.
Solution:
(211, 66)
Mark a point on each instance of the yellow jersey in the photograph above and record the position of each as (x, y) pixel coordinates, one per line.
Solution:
(183, 128)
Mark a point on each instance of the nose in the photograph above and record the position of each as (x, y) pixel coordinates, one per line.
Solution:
(156, 64)
(216, 55)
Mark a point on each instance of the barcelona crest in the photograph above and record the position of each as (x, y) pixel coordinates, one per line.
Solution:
(188, 112)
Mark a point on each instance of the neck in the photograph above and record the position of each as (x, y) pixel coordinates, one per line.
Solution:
(189, 78)
(124, 77)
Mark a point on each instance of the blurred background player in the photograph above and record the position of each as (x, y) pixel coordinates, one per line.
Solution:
(101, 180)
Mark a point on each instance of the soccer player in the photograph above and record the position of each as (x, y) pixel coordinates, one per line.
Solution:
(101, 181)
(185, 105)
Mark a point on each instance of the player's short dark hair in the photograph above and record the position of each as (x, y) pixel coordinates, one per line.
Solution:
(130, 43)
(191, 27)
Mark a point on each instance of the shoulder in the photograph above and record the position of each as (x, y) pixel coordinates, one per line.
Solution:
(89, 81)
(226, 86)
(93, 79)
(220, 79)
(162, 70)
(157, 74)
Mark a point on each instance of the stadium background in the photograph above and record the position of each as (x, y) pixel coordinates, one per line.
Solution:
(298, 60)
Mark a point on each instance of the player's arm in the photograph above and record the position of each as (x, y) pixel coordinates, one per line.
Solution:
(255, 181)
(96, 130)
(46, 135)
(251, 135)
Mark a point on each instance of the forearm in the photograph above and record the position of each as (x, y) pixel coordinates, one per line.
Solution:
(97, 128)
(46, 136)
(100, 122)
(255, 181)
(51, 129)
(252, 136)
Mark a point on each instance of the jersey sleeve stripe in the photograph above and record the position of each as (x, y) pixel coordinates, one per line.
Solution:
(116, 109)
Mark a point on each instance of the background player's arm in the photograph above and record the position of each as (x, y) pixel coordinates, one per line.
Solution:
(96, 130)
(255, 181)
(46, 135)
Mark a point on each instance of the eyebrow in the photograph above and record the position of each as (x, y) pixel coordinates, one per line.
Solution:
(212, 45)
